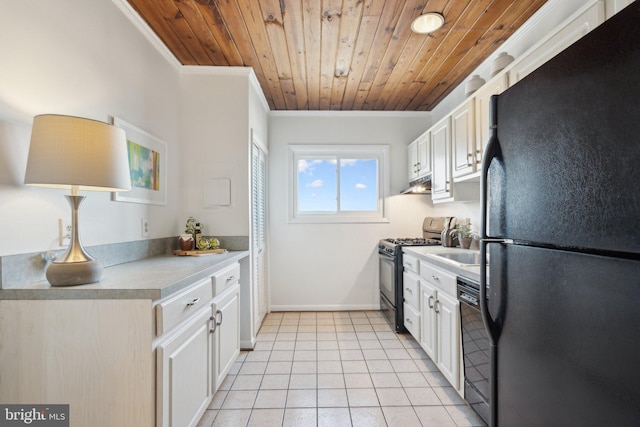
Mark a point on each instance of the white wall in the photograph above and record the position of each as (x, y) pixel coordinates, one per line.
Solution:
(335, 266)
(219, 107)
(86, 59)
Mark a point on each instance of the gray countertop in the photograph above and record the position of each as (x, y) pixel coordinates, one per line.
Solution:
(426, 253)
(152, 278)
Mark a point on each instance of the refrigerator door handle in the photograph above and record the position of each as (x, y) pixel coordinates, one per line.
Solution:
(492, 151)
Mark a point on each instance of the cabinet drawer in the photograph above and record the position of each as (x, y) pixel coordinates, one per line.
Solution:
(412, 321)
(225, 278)
(441, 279)
(176, 309)
(410, 263)
(411, 290)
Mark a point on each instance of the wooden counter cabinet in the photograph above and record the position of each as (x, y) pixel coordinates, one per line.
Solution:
(135, 361)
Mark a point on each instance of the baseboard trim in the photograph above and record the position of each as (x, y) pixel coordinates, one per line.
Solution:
(247, 344)
(334, 307)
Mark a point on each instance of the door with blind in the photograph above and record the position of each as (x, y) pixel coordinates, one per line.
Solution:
(259, 230)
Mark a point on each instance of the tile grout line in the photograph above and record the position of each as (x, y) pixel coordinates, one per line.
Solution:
(404, 345)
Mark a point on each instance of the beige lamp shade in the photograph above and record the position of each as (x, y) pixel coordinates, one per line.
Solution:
(68, 152)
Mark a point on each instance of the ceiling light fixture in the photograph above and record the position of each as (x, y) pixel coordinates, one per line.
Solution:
(427, 23)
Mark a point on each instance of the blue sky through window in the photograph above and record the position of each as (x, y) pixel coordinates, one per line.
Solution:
(318, 185)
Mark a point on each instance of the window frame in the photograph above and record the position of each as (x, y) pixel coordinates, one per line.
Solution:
(338, 151)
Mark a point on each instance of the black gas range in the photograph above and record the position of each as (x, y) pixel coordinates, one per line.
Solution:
(390, 264)
(393, 246)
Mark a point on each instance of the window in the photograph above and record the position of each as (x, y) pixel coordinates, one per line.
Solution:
(337, 183)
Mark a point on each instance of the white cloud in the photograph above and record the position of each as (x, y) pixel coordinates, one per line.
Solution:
(360, 186)
(307, 166)
(348, 162)
(315, 184)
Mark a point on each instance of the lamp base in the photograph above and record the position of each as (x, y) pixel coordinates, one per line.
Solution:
(74, 273)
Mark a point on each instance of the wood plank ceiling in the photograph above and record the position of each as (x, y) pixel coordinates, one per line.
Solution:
(339, 54)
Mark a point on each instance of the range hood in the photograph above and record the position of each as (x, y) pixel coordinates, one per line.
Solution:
(421, 185)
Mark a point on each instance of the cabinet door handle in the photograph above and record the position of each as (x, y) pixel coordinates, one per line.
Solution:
(435, 306)
(430, 301)
(419, 166)
(470, 159)
(409, 321)
(478, 156)
(409, 289)
(435, 277)
(218, 322)
(192, 301)
(215, 325)
(409, 264)
(230, 278)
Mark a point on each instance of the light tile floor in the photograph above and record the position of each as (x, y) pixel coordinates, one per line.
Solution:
(335, 369)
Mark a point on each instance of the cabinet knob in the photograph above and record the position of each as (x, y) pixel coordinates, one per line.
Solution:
(193, 301)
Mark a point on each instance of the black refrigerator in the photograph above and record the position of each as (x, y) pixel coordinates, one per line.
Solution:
(561, 225)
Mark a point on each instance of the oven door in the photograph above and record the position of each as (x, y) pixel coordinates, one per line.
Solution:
(387, 277)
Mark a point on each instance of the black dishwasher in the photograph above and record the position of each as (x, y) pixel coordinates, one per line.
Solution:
(475, 348)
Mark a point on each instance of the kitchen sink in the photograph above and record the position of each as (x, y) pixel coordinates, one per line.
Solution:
(460, 258)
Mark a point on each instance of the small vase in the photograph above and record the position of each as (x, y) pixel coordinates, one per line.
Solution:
(185, 241)
(465, 242)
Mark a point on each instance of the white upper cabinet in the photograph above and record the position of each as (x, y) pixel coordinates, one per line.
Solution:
(618, 5)
(459, 140)
(583, 21)
(495, 86)
(441, 189)
(419, 157)
(463, 140)
(412, 165)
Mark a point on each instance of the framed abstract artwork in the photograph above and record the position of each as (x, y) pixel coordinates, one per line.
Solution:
(147, 166)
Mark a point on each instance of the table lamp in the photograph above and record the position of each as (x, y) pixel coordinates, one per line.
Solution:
(80, 155)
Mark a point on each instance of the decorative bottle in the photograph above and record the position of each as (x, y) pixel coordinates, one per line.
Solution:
(197, 235)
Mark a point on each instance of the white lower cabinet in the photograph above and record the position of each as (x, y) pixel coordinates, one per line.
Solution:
(227, 332)
(411, 292)
(185, 372)
(440, 314)
(447, 311)
(197, 350)
(428, 316)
